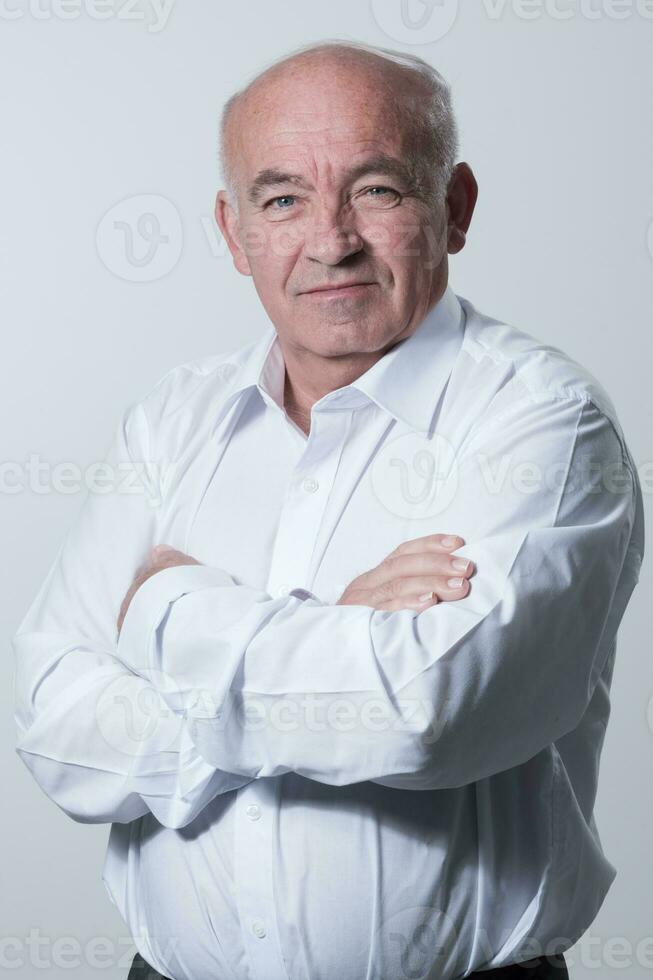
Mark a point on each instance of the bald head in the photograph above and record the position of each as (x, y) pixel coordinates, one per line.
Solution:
(342, 201)
(400, 90)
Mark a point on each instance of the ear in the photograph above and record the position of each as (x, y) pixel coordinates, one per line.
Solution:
(229, 225)
(462, 193)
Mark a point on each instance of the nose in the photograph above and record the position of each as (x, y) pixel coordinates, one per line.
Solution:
(332, 238)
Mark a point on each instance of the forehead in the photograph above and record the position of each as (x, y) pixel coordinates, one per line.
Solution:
(321, 118)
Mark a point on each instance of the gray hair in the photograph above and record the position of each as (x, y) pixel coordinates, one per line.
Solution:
(433, 119)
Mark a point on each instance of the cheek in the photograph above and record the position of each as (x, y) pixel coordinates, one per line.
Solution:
(272, 250)
(409, 247)
(394, 237)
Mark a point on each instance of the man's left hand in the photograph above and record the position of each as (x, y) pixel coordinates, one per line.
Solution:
(161, 556)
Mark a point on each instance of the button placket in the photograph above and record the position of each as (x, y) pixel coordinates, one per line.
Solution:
(305, 503)
(255, 816)
(257, 804)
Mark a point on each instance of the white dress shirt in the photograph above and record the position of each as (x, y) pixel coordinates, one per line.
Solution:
(300, 790)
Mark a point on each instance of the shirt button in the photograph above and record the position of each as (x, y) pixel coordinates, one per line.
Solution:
(259, 930)
(310, 485)
(283, 590)
(253, 811)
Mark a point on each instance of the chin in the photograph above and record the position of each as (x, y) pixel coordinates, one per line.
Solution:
(333, 340)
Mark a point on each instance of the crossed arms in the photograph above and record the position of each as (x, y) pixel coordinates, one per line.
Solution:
(213, 683)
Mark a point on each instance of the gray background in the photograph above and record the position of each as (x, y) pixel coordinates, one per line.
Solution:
(553, 101)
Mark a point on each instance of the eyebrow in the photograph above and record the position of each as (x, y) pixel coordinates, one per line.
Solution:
(383, 164)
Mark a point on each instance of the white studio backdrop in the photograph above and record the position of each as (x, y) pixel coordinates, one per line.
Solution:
(109, 121)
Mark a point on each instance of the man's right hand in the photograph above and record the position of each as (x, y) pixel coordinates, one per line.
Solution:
(415, 575)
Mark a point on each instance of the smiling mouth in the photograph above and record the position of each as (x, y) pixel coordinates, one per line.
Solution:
(335, 291)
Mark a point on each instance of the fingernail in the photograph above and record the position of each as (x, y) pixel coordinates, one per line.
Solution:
(449, 541)
(425, 597)
(460, 564)
(455, 583)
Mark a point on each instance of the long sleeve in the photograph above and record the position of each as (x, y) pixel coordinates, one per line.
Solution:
(545, 496)
(98, 738)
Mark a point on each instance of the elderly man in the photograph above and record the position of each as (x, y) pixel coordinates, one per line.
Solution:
(351, 724)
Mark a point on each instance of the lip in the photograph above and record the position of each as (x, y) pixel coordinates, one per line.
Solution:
(345, 289)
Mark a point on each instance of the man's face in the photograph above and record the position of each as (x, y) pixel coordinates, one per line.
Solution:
(349, 210)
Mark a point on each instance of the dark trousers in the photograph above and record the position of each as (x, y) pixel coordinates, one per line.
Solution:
(541, 968)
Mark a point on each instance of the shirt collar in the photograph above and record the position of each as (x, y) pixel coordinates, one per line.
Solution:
(407, 382)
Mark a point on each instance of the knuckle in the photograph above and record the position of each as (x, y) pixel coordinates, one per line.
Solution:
(392, 588)
(387, 591)
(437, 566)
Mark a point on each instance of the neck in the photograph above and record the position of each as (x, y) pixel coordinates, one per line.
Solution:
(309, 377)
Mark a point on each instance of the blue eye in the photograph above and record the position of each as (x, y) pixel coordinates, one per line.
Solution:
(386, 196)
(284, 197)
